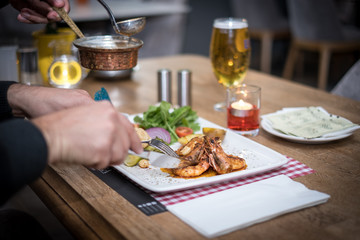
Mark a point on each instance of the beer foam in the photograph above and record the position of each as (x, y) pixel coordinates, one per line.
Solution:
(230, 24)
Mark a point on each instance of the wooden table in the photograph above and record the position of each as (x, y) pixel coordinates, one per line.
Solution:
(91, 210)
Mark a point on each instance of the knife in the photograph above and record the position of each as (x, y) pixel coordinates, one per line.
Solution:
(157, 159)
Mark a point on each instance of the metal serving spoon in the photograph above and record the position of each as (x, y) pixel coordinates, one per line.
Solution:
(127, 27)
(63, 14)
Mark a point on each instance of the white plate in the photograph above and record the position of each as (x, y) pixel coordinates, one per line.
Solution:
(341, 134)
(258, 159)
(267, 127)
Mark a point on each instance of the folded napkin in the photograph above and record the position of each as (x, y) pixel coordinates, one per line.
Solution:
(308, 122)
(223, 212)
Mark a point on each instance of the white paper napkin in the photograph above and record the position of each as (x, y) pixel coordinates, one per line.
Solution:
(223, 212)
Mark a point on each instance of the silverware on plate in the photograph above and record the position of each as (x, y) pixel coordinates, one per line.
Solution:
(162, 147)
(167, 159)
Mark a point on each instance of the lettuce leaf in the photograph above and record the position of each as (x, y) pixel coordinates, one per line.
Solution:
(161, 116)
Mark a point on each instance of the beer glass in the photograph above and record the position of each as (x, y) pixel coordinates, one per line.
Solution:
(229, 53)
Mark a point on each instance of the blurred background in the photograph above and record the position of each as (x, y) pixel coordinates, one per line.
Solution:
(184, 26)
(323, 37)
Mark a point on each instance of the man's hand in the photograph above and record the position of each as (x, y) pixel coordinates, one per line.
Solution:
(32, 101)
(39, 11)
(94, 135)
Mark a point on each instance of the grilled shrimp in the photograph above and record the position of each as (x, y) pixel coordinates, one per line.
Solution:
(222, 162)
(192, 170)
(200, 154)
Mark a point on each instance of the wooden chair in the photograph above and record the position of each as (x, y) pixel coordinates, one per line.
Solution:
(315, 27)
(266, 23)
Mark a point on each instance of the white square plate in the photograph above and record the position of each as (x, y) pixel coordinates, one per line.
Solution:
(258, 158)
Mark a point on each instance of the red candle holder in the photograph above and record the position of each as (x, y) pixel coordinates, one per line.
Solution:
(243, 109)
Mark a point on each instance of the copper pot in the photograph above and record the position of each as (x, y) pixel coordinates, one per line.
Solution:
(108, 52)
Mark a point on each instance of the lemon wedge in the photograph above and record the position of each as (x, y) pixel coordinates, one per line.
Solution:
(214, 132)
(184, 140)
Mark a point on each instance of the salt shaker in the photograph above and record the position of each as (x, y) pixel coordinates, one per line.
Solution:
(184, 87)
(164, 85)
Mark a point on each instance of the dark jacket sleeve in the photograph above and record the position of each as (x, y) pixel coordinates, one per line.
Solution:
(23, 155)
(23, 149)
(5, 109)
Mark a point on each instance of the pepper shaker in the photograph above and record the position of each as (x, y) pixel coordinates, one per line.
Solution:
(184, 87)
(164, 85)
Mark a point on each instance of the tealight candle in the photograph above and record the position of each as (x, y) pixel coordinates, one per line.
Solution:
(240, 108)
(241, 105)
(243, 110)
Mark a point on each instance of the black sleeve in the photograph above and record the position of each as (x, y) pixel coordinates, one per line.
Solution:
(23, 156)
(5, 109)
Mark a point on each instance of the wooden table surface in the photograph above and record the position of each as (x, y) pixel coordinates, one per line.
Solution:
(92, 210)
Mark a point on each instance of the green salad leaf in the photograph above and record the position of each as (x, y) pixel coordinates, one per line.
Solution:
(161, 116)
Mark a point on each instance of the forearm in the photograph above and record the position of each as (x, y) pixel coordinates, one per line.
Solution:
(21, 98)
(24, 154)
(35, 101)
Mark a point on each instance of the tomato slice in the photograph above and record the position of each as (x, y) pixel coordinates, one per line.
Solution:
(183, 131)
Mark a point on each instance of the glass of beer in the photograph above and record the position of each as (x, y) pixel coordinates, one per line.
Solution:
(229, 53)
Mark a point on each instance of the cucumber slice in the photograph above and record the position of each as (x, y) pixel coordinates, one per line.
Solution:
(132, 160)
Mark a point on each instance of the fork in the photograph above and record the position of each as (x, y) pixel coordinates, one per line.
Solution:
(162, 147)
